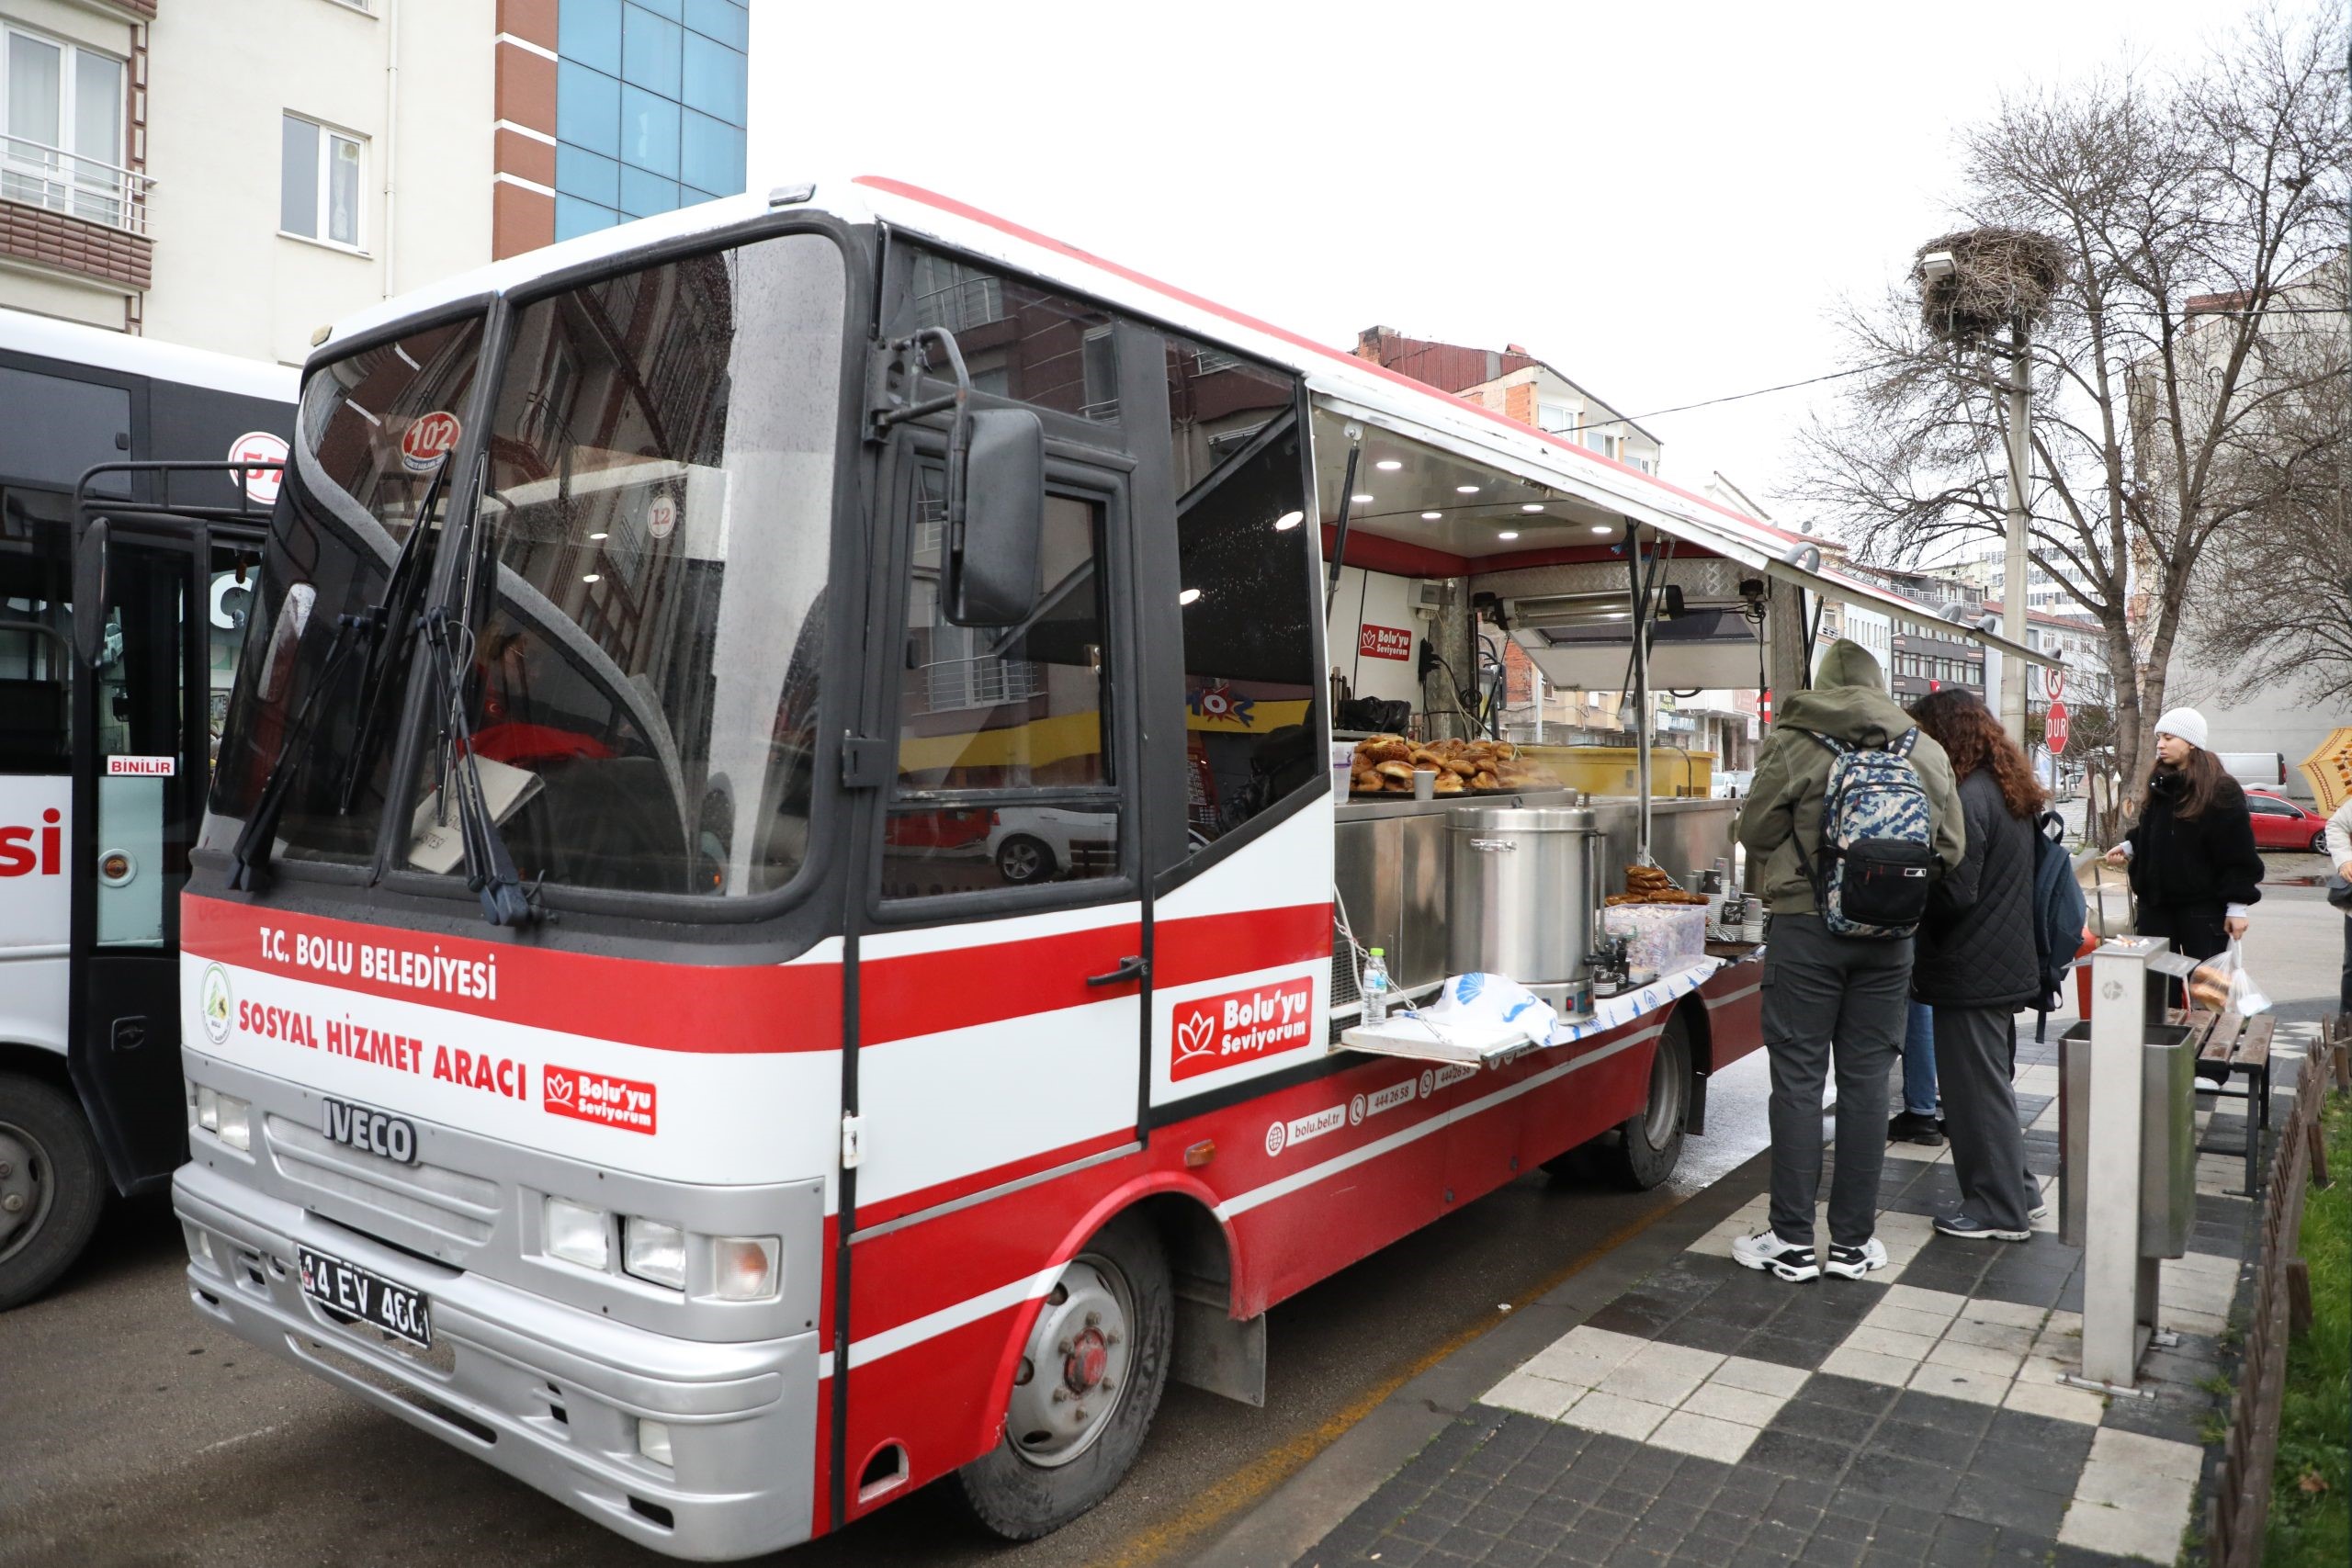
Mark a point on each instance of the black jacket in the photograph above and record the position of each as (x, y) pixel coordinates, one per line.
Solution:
(2194, 862)
(1975, 948)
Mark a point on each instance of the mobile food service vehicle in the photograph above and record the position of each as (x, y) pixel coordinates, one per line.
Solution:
(615, 1044)
(102, 778)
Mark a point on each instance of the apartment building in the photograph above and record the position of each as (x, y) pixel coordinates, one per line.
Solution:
(234, 175)
(1515, 383)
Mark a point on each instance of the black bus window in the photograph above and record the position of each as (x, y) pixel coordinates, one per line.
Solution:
(36, 660)
(1252, 737)
(993, 709)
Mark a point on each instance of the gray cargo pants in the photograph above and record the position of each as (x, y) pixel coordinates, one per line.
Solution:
(1826, 993)
(1974, 1055)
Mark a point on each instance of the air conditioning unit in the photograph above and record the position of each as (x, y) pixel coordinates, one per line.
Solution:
(1425, 596)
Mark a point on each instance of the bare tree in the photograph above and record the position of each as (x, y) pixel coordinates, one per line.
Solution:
(2274, 598)
(2186, 205)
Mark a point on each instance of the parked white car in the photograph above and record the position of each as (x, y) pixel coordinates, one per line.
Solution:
(1731, 783)
(1037, 843)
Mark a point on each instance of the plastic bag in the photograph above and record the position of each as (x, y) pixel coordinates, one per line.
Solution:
(2222, 985)
(1493, 1000)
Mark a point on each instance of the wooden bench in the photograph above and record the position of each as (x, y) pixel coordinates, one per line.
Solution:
(2241, 1048)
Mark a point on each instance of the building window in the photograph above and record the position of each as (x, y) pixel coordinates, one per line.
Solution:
(1557, 418)
(651, 105)
(318, 195)
(62, 107)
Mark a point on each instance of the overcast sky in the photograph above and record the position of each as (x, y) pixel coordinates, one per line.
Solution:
(1665, 199)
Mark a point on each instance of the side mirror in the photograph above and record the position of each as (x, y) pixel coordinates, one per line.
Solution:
(90, 586)
(993, 565)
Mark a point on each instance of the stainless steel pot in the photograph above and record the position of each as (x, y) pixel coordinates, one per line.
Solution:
(1521, 892)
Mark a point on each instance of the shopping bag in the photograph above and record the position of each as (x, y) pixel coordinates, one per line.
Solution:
(2108, 908)
(2222, 985)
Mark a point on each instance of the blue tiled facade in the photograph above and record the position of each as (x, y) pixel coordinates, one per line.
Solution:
(650, 100)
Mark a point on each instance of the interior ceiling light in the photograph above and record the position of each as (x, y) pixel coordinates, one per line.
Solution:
(1431, 516)
(596, 535)
(1508, 533)
(1465, 489)
(1361, 500)
(1289, 520)
(1388, 465)
(1600, 528)
(1187, 596)
(593, 577)
(1531, 506)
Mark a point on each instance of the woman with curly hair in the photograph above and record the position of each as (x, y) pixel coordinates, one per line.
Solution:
(1975, 964)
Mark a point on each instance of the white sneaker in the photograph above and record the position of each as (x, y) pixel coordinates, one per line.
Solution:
(1791, 1262)
(2040, 1210)
(1853, 1262)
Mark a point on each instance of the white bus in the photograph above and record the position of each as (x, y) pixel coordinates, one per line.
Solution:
(102, 778)
(619, 1042)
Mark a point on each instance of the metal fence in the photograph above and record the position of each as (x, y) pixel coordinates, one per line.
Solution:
(2240, 1510)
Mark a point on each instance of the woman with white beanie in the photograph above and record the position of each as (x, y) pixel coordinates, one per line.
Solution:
(2194, 867)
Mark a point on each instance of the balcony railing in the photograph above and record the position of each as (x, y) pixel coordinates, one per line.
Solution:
(979, 682)
(37, 174)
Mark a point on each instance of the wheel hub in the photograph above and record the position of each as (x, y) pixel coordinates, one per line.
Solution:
(1083, 1331)
(1089, 1359)
(24, 1195)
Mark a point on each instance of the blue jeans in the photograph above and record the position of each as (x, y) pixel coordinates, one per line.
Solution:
(1919, 1061)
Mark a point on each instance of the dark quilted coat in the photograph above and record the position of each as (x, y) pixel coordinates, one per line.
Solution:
(1975, 949)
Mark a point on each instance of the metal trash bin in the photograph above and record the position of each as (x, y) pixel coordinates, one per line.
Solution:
(2167, 1138)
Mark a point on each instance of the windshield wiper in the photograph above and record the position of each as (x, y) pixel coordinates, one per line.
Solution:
(489, 869)
(250, 870)
(256, 842)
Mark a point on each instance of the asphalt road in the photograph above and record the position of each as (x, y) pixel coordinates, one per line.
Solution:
(132, 1432)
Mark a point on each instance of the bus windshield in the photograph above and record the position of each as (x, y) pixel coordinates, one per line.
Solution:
(646, 587)
(370, 442)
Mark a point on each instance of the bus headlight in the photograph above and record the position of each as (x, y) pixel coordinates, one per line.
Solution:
(654, 1252)
(743, 1268)
(236, 1122)
(578, 1233)
(225, 1117)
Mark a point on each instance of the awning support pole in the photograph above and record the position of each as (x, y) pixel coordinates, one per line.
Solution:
(1641, 698)
(1347, 501)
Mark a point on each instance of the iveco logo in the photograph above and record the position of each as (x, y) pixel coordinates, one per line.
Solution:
(214, 1002)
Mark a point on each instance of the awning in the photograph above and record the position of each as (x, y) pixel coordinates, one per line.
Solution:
(1536, 464)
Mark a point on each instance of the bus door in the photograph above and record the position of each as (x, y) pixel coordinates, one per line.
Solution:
(1004, 961)
(143, 722)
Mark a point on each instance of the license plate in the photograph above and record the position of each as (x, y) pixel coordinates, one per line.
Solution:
(372, 1131)
(354, 1293)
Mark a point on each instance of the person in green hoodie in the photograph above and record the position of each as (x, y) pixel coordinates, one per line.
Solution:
(1827, 995)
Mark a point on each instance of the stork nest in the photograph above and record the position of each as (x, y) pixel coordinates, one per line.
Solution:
(1999, 277)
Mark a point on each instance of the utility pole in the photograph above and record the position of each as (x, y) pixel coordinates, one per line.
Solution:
(2013, 577)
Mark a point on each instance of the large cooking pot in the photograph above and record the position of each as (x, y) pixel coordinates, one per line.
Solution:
(1522, 887)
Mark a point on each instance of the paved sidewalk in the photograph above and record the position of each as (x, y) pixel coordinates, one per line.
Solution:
(1716, 1415)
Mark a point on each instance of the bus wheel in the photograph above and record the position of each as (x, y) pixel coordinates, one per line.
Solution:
(1649, 1143)
(52, 1186)
(1084, 1394)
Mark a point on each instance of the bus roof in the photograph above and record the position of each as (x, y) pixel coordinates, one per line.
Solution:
(23, 333)
(1341, 384)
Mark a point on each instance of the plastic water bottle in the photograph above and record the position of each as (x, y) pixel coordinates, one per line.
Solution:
(1376, 986)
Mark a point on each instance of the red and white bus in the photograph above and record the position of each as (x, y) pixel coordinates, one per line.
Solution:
(617, 1039)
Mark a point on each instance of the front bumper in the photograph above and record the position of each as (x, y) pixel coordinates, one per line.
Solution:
(547, 1393)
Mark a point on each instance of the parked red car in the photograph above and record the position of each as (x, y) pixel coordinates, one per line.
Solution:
(2281, 824)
